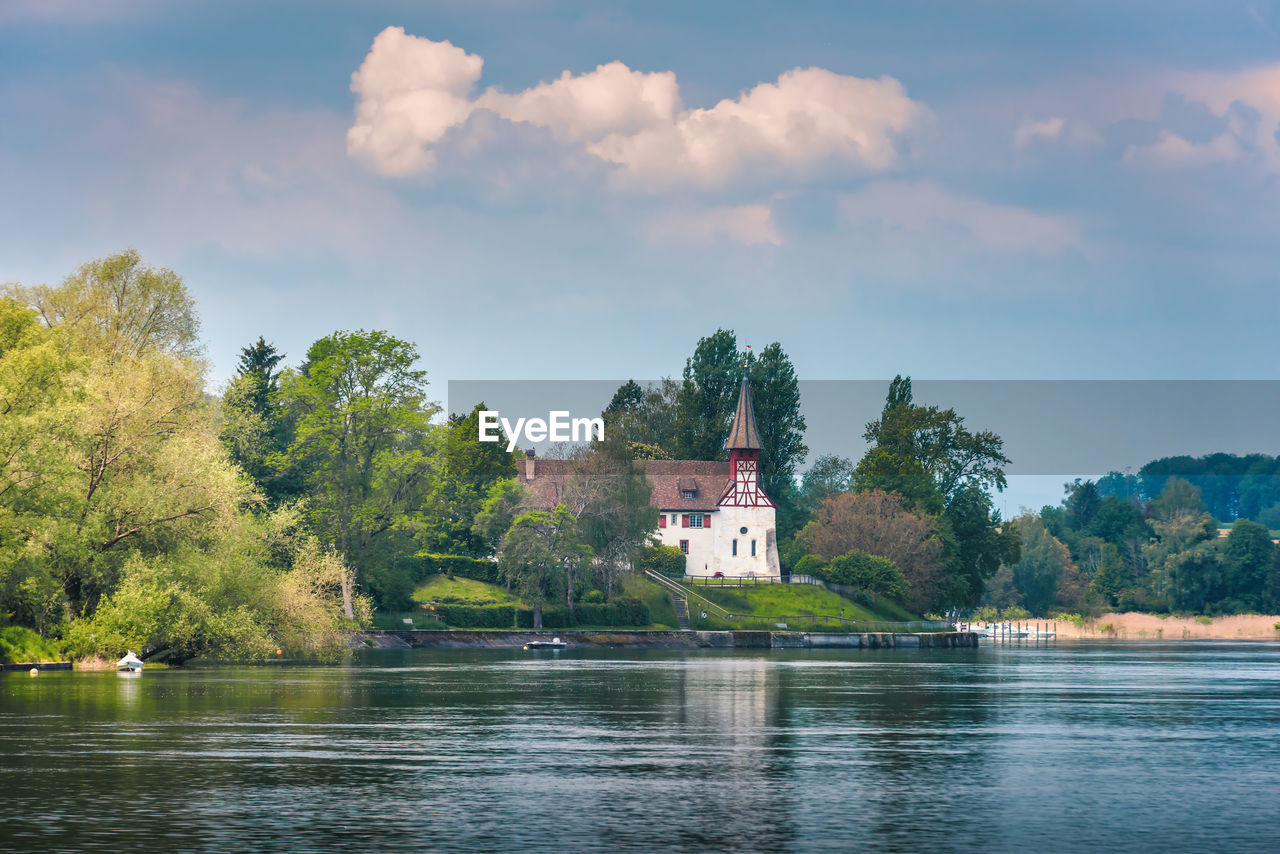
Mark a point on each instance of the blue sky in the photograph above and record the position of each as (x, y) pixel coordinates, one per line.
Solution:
(951, 190)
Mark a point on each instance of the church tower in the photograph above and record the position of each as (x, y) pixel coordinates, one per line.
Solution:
(743, 445)
(746, 540)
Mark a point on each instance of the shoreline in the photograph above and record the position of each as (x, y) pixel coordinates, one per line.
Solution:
(1131, 625)
(658, 639)
(1135, 625)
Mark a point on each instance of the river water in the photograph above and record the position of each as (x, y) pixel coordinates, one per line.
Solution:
(1085, 747)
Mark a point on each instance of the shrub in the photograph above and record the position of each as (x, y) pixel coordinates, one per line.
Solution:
(458, 566)
(594, 597)
(664, 560)
(1013, 612)
(809, 565)
(1204, 619)
(623, 612)
(19, 645)
(475, 616)
(872, 574)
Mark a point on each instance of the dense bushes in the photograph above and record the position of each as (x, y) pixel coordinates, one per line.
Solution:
(476, 616)
(623, 612)
(620, 613)
(664, 560)
(872, 575)
(19, 645)
(459, 566)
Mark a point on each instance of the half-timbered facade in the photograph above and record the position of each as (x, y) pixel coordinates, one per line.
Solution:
(714, 512)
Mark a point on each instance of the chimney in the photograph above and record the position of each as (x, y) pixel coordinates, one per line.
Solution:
(528, 464)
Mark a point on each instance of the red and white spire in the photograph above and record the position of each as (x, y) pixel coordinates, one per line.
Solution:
(744, 456)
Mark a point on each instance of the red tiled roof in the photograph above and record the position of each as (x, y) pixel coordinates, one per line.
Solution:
(668, 479)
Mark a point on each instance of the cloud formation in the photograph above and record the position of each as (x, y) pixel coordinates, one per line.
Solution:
(924, 212)
(413, 91)
(1029, 131)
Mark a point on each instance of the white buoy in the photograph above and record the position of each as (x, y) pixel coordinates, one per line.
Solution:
(35, 671)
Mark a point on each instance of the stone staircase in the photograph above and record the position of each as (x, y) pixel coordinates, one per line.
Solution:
(681, 604)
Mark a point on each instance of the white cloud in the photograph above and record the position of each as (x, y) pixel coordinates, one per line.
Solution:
(1172, 150)
(590, 106)
(750, 225)
(924, 212)
(1029, 130)
(413, 91)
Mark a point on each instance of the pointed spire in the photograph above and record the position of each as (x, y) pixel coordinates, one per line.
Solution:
(743, 433)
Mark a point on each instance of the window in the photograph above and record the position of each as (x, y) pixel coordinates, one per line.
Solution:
(684, 546)
(735, 548)
(696, 520)
(674, 520)
(688, 495)
(753, 548)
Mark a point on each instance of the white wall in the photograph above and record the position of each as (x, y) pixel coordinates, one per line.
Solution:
(701, 542)
(760, 525)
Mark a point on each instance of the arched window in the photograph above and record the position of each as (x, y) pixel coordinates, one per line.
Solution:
(735, 548)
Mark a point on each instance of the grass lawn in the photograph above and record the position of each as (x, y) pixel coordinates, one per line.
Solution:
(462, 591)
(661, 611)
(421, 620)
(771, 603)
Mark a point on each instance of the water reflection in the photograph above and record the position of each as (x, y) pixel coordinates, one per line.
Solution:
(1062, 749)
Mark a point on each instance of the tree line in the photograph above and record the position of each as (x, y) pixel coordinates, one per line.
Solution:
(136, 509)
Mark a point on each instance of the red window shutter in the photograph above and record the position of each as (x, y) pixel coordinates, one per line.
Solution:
(684, 520)
(662, 520)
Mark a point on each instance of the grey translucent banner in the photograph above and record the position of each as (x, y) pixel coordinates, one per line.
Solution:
(1053, 427)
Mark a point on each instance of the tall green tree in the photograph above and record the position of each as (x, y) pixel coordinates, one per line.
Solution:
(471, 468)
(255, 424)
(1111, 577)
(776, 393)
(363, 441)
(1247, 558)
(707, 396)
(829, 475)
(131, 459)
(978, 544)
(1038, 572)
(690, 419)
(926, 453)
(544, 558)
(610, 497)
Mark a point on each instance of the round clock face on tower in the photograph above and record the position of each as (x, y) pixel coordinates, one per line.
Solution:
(742, 530)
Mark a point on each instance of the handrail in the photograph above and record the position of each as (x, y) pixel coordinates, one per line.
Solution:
(681, 590)
(886, 626)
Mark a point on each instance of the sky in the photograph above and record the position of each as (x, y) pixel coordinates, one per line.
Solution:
(580, 191)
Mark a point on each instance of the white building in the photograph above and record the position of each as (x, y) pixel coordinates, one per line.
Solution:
(715, 512)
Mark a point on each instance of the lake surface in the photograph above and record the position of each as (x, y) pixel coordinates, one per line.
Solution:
(1087, 747)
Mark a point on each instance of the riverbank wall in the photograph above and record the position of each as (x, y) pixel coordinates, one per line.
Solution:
(450, 639)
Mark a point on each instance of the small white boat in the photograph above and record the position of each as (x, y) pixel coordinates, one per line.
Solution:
(554, 643)
(130, 662)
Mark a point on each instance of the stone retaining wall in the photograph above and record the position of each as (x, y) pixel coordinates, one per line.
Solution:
(449, 639)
